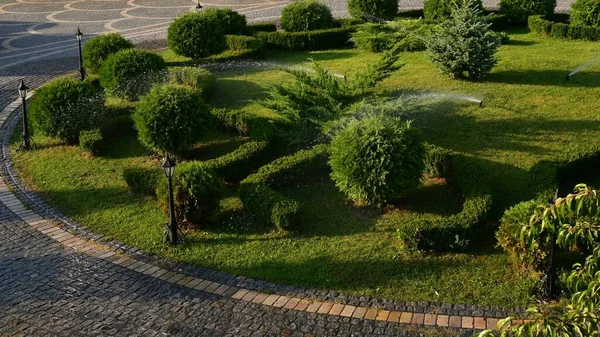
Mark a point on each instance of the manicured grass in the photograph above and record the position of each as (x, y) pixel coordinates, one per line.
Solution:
(530, 114)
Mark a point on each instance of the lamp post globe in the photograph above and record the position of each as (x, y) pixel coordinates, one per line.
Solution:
(172, 234)
(79, 35)
(23, 89)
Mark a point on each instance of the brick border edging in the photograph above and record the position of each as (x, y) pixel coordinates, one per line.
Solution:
(310, 300)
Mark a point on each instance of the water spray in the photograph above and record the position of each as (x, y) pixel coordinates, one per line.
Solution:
(588, 64)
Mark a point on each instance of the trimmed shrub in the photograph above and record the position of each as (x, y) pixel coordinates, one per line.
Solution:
(239, 163)
(376, 160)
(197, 78)
(196, 35)
(464, 47)
(559, 30)
(437, 161)
(263, 27)
(538, 24)
(171, 118)
(543, 26)
(590, 33)
(143, 181)
(196, 193)
(131, 73)
(442, 9)
(231, 21)
(373, 9)
(91, 141)
(65, 107)
(308, 41)
(97, 49)
(520, 10)
(241, 42)
(305, 15)
(586, 13)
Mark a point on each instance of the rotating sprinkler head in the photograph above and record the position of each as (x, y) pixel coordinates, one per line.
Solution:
(481, 104)
(568, 76)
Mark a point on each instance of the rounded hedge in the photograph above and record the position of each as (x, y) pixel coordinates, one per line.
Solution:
(586, 13)
(373, 9)
(97, 49)
(196, 35)
(131, 73)
(171, 118)
(231, 21)
(520, 10)
(377, 159)
(65, 107)
(442, 9)
(196, 193)
(306, 15)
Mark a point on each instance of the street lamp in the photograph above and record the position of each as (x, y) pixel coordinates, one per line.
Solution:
(78, 35)
(25, 135)
(551, 270)
(199, 7)
(172, 234)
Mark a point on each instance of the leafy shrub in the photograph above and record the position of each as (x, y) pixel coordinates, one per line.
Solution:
(241, 42)
(239, 163)
(91, 141)
(543, 26)
(520, 10)
(586, 13)
(308, 41)
(171, 118)
(196, 193)
(437, 161)
(373, 9)
(559, 30)
(442, 9)
(142, 181)
(196, 35)
(97, 49)
(131, 73)
(376, 160)
(464, 46)
(231, 21)
(193, 77)
(65, 107)
(407, 35)
(539, 24)
(305, 15)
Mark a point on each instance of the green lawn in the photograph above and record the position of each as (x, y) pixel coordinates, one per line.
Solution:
(530, 114)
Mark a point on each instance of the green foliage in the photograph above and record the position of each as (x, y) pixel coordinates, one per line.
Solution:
(64, 107)
(308, 41)
(196, 193)
(377, 160)
(437, 161)
(239, 163)
(538, 24)
(196, 35)
(230, 21)
(193, 77)
(543, 26)
(559, 30)
(97, 49)
(407, 35)
(143, 181)
(91, 141)
(442, 9)
(306, 15)
(464, 46)
(131, 73)
(520, 10)
(263, 27)
(171, 118)
(241, 42)
(586, 13)
(258, 191)
(373, 9)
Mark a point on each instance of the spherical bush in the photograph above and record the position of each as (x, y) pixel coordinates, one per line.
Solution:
(373, 9)
(231, 21)
(131, 73)
(196, 35)
(520, 10)
(442, 9)
(586, 13)
(65, 107)
(97, 49)
(305, 15)
(196, 192)
(171, 118)
(377, 159)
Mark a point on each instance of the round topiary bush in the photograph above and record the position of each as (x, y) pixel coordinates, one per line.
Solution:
(305, 15)
(377, 159)
(65, 107)
(231, 21)
(196, 192)
(196, 35)
(171, 118)
(520, 10)
(97, 49)
(373, 9)
(131, 73)
(441, 9)
(586, 13)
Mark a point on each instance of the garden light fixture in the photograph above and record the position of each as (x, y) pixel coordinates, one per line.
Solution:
(23, 89)
(78, 35)
(172, 233)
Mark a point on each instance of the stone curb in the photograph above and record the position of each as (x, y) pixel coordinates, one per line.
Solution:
(76, 236)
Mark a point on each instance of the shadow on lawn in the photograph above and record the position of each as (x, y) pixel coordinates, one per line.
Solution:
(83, 201)
(546, 78)
(236, 94)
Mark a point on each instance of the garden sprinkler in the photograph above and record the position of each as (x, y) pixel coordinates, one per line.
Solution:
(481, 104)
(568, 76)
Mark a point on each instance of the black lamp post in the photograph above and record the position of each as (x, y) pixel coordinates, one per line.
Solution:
(199, 7)
(172, 234)
(78, 35)
(550, 286)
(25, 135)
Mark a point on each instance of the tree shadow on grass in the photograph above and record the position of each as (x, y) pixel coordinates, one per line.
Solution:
(124, 146)
(236, 94)
(546, 78)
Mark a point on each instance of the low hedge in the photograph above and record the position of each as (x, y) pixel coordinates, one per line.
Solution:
(437, 161)
(308, 41)
(561, 30)
(241, 42)
(258, 193)
(262, 27)
(245, 124)
(239, 163)
(193, 77)
(143, 181)
(91, 141)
